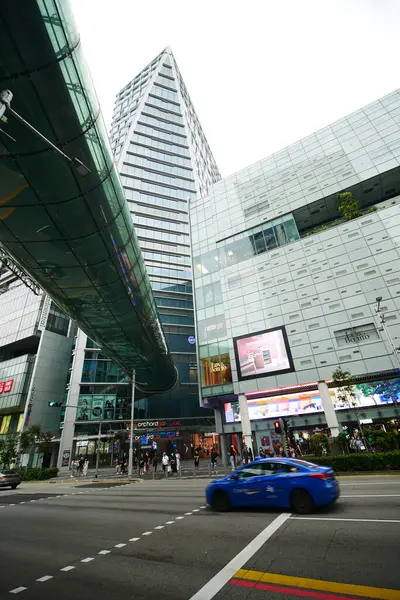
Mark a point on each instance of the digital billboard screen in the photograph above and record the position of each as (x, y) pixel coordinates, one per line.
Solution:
(263, 353)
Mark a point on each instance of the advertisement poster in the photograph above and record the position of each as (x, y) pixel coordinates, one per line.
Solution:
(365, 394)
(66, 458)
(261, 354)
(95, 408)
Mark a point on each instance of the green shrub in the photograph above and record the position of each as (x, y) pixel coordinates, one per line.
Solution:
(363, 461)
(37, 474)
(349, 207)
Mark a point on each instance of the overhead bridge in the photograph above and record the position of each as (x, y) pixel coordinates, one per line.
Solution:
(69, 225)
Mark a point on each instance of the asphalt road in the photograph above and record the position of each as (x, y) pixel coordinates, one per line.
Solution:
(158, 540)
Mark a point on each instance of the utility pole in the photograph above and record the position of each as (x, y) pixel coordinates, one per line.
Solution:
(384, 328)
(130, 458)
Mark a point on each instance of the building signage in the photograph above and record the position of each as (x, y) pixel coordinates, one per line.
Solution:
(191, 339)
(356, 335)
(6, 386)
(150, 424)
(45, 313)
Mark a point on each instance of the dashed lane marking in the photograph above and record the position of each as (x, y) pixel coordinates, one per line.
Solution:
(88, 559)
(348, 520)
(18, 590)
(45, 578)
(159, 527)
(104, 552)
(147, 533)
(188, 514)
(179, 518)
(119, 545)
(134, 539)
(68, 568)
(169, 522)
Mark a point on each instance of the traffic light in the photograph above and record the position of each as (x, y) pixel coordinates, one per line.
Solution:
(277, 427)
(55, 404)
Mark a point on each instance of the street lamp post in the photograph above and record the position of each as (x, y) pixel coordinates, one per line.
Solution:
(130, 457)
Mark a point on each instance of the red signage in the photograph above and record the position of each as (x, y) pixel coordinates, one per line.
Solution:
(6, 386)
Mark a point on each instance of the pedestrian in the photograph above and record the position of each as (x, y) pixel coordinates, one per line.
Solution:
(147, 463)
(178, 461)
(261, 453)
(282, 452)
(117, 466)
(214, 458)
(141, 464)
(81, 464)
(232, 457)
(155, 462)
(172, 462)
(245, 455)
(196, 458)
(292, 452)
(250, 455)
(165, 463)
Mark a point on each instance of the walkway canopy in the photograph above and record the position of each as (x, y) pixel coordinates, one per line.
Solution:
(73, 233)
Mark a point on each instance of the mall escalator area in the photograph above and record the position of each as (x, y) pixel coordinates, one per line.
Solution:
(63, 215)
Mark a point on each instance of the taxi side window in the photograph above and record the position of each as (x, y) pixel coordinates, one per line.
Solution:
(258, 470)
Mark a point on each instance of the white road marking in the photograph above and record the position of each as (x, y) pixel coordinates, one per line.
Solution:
(69, 568)
(147, 533)
(203, 506)
(119, 545)
(11, 505)
(32, 500)
(179, 518)
(104, 552)
(350, 520)
(134, 539)
(387, 483)
(45, 578)
(2, 506)
(196, 510)
(188, 514)
(372, 496)
(18, 590)
(159, 527)
(220, 579)
(23, 502)
(88, 559)
(169, 522)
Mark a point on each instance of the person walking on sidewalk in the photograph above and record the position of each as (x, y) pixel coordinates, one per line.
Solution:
(155, 462)
(196, 458)
(232, 457)
(214, 458)
(165, 463)
(178, 461)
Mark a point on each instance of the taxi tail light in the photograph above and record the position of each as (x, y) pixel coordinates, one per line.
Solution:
(321, 476)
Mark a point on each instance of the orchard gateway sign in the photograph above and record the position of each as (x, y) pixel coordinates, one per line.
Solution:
(156, 424)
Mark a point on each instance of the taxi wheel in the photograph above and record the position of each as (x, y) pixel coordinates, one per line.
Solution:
(301, 502)
(220, 501)
(14, 486)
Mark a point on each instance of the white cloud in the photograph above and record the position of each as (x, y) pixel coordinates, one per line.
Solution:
(261, 73)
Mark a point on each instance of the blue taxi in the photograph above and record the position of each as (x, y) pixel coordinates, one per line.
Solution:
(277, 482)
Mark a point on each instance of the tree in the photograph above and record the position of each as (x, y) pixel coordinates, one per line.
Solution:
(349, 207)
(8, 449)
(346, 393)
(319, 444)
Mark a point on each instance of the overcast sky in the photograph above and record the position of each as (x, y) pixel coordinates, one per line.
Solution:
(261, 73)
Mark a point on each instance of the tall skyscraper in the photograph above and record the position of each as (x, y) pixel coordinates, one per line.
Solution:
(164, 162)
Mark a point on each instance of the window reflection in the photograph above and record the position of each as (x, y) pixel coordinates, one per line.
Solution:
(256, 241)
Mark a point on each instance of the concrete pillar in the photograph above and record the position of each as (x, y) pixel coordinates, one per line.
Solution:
(68, 431)
(223, 439)
(245, 420)
(329, 410)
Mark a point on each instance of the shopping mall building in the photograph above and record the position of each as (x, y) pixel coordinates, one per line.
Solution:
(286, 290)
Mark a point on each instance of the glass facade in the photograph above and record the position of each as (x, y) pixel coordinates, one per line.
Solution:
(71, 228)
(165, 162)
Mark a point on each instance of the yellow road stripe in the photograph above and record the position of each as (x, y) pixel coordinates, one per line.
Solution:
(317, 584)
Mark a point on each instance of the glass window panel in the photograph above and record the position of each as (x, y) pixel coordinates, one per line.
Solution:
(280, 234)
(270, 238)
